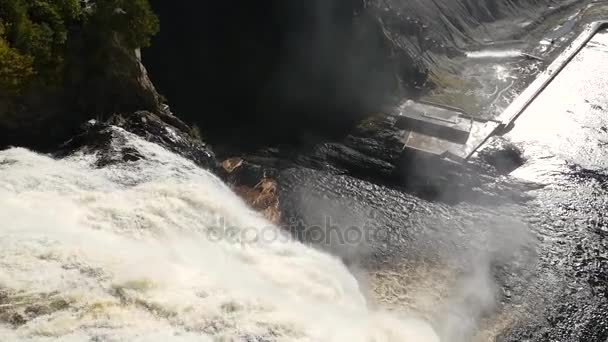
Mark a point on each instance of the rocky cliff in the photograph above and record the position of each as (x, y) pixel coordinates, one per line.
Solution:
(62, 63)
(285, 71)
(265, 73)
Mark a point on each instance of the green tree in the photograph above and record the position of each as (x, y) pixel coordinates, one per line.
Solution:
(16, 69)
(132, 19)
(38, 31)
(34, 34)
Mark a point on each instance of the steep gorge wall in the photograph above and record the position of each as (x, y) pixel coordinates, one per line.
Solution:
(442, 28)
(236, 64)
(268, 71)
(280, 69)
(65, 62)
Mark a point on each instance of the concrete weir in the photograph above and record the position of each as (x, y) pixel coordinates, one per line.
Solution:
(451, 134)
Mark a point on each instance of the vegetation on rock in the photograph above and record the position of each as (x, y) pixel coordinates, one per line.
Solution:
(34, 34)
(15, 68)
(132, 19)
(57, 56)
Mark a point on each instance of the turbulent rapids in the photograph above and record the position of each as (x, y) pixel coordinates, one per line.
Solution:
(131, 252)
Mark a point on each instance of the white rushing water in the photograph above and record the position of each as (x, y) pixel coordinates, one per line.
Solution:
(495, 54)
(125, 253)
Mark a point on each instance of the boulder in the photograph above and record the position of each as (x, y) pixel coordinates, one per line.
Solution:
(163, 129)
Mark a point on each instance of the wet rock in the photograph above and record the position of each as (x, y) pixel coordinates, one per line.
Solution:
(237, 171)
(262, 197)
(297, 66)
(41, 309)
(92, 84)
(254, 185)
(371, 151)
(311, 68)
(16, 319)
(502, 154)
(164, 129)
(17, 309)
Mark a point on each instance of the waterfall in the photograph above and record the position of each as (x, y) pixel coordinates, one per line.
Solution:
(160, 250)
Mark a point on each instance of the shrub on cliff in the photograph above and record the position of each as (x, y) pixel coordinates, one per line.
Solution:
(133, 19)
(33, 38)
(34, 33)
(16, 69)
(57, 56)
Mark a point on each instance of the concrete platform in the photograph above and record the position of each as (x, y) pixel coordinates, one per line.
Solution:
(441, 130)
(449, 133)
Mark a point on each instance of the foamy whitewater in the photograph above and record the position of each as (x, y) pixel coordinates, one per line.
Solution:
(495, 54)
(125, 253)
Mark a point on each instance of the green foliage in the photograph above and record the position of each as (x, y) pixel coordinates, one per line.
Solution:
(37, 30)
(34, 35)
(132, 19)
(16, 69)
(195, 133)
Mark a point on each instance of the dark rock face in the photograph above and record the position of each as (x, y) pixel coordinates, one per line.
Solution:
(164, 129)
(296, 71)
(295, 67)
(46, 116)
(502, 154)
(370, 151)
(373, 152)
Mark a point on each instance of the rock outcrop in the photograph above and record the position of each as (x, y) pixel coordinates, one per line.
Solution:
(373, 152)
(48, 116)
(294, 71)
(163, 129)
(297, 66)
(96, 69)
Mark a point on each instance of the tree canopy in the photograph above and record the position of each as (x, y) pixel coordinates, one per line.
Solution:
(34, 34)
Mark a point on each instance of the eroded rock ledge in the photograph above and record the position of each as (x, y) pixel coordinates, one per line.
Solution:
(163, 129)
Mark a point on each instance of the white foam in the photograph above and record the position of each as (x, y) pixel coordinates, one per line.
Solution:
(129, 248)
(494, 54)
